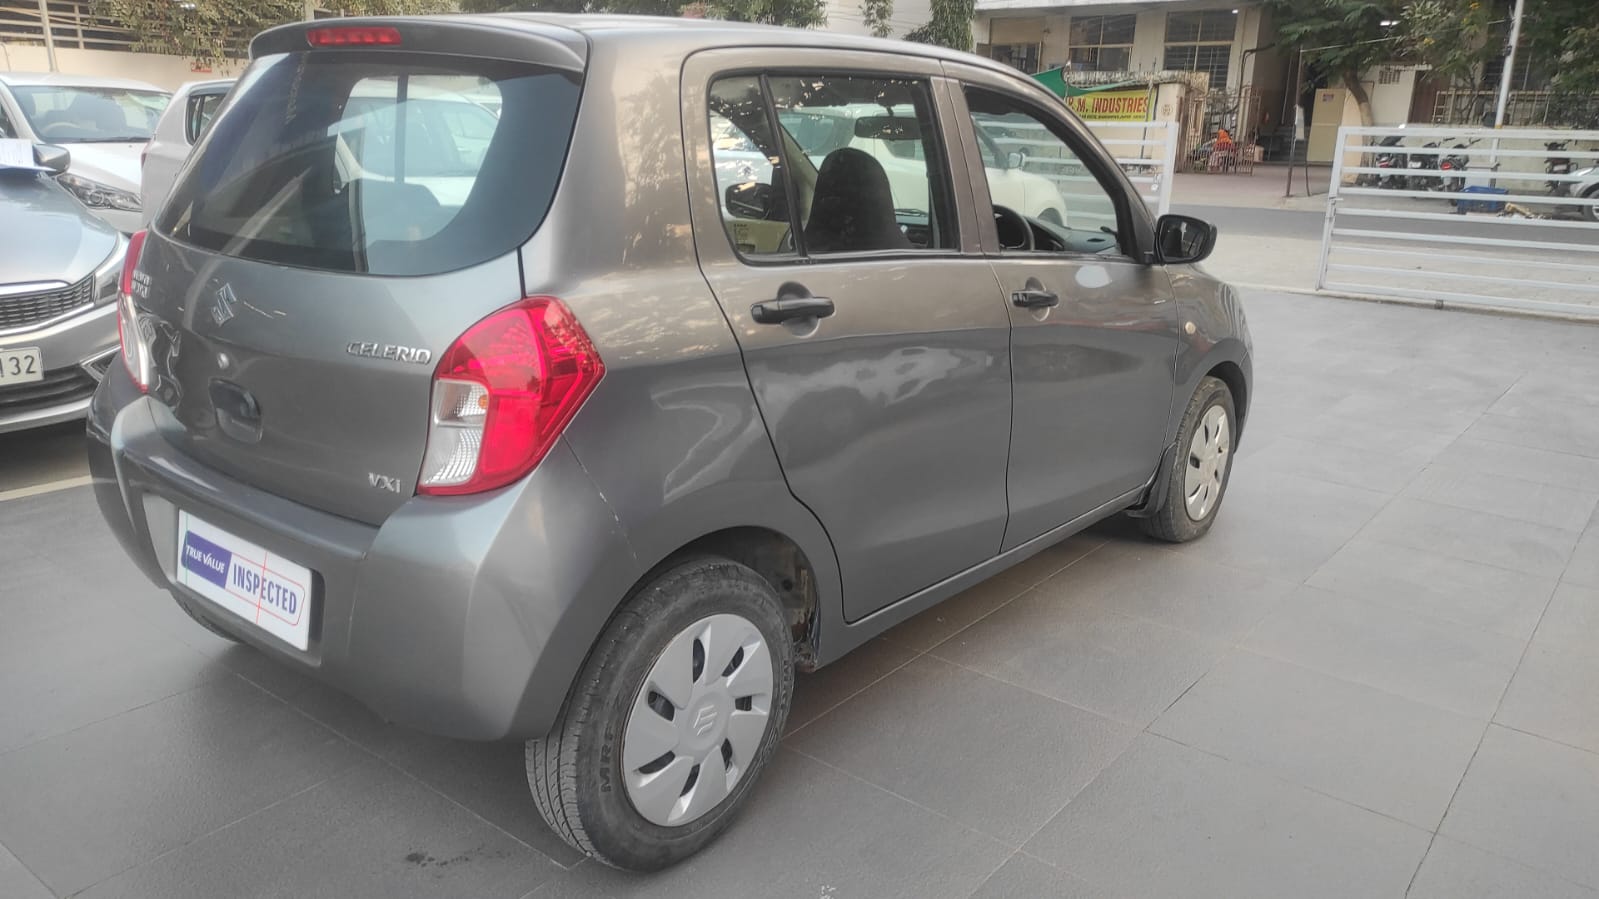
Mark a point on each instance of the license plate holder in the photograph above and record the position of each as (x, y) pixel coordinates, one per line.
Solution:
(245, 580)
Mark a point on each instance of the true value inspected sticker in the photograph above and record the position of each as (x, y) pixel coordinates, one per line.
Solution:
(264, 589)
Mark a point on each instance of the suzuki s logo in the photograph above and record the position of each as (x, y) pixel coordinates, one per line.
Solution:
(704, 721)
(383, 482)
(222, 305)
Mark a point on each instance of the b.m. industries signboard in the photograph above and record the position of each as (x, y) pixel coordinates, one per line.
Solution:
(1121, 106)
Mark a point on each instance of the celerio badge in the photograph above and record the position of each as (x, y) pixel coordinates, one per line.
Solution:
(390, 351)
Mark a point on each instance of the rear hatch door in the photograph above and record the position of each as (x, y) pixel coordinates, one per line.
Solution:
(351, 213)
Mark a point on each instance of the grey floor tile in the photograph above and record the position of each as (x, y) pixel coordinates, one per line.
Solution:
(1115, 665)
(371, 831)
(935, 625)
(1457, 871)
(1025, 876)
(1339, 464)
(1474, 536)
(1556, 506)
(78, 670)
(1584, 566)
(1531, 800)
(1391, 441)
(813, 831)
(1436, 586)
(990, 755)
(1044, 564)
(17, 882)
(82, 806)
(1557, 431)
(1265, 525)
(490, 779)
(1353, 742)
(1542, 466)
(1169, 820)
(1572, 618)
(1553, 694)
(818, 691)
(1445, 665)
(1174, 589)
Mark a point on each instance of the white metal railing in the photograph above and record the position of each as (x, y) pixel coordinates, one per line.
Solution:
(1501, 232)
(1146, 151)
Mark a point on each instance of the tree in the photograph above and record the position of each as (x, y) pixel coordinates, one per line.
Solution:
(635, 7)
(1455, 39)
(212, 30)
(951, 25)
(1563, 35)
(794, 13)
(1342, 37)
(876, 14)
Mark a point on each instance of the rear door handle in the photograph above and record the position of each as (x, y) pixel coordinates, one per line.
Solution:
(1034, 299)
(774, 312)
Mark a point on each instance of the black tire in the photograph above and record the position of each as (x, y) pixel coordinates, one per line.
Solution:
(1172, 521)
(1591, 212)
(575, 771)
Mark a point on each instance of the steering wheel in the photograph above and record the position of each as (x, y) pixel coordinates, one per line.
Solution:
(1013, 230)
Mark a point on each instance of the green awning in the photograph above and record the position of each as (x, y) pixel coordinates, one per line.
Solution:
(1055, 80)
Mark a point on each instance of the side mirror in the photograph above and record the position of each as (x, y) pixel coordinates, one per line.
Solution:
(750, 200)
(1183, 238)
(54, 159)
(1015, 159)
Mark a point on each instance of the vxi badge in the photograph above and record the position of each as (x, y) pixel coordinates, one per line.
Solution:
(390, 351)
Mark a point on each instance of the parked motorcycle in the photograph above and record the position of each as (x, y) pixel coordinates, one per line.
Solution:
(1425, 162)
(1456, 162)
(1393, 162)
(1558, 165)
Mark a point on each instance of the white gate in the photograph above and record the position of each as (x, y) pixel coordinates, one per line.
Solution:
(1501, 232)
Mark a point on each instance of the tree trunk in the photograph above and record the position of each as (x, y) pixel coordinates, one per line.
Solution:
(1362, 98)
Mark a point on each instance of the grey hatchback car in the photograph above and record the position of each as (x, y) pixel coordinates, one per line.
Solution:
(543, 425)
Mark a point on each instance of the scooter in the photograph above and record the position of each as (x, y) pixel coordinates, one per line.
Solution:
(1558, 165)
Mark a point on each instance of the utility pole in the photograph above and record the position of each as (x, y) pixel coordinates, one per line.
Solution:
(49, 41)
(1510, 64)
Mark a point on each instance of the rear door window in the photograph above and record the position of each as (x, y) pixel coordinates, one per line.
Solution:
(198, 115)
(378, 162)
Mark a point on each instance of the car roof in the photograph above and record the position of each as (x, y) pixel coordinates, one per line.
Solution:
(19, 79)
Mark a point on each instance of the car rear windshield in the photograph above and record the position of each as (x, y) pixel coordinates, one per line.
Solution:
(378, 162)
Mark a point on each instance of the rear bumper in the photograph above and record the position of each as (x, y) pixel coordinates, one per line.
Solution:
(462, 616)
(76, 352)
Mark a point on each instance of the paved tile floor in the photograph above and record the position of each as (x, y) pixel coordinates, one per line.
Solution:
(1375, 678)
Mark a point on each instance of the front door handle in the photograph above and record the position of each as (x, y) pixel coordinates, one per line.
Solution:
(775, 312)
(1035, 299)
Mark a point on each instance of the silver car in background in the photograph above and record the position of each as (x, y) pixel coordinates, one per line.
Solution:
(58, 279)
(185, 120)
(103, 122)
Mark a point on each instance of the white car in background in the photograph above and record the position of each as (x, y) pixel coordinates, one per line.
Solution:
(821, 130)
(180, 128)
(103, 123)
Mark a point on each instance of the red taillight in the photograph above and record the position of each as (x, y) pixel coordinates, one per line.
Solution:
(502, 394)
(135, 351)
(353, 36)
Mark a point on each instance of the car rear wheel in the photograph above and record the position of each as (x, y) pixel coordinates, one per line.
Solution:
(1591, 212)
(1196, 478)
(674, 716)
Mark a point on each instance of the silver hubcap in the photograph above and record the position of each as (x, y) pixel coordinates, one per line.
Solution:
(1207, 462)
(698, 720)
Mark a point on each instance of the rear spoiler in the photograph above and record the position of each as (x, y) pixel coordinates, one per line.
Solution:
(491, 37)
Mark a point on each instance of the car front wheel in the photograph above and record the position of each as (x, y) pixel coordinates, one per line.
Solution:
(673, 718)
(1196, 478)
